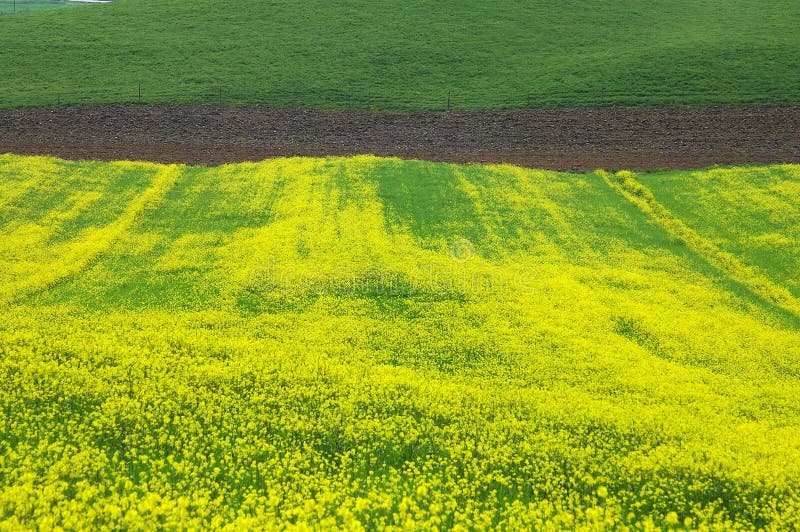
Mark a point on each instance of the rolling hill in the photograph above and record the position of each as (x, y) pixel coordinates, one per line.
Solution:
(413, 55)
(377, 342)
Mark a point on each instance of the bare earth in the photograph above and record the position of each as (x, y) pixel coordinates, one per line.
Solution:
(641, 138)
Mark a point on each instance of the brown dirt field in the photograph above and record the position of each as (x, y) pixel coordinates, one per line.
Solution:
(581, 139)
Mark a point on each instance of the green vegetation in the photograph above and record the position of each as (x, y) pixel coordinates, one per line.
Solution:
(365, 341)
(751, 213)
(405, 55)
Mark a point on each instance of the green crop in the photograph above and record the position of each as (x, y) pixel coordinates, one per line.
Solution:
(408, 55)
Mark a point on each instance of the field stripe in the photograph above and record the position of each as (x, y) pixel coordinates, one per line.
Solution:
(77, 255)
(42, 174)
(630, 188)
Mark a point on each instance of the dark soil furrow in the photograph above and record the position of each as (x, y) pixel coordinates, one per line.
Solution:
(640, 138)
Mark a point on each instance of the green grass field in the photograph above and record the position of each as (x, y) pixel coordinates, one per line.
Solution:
(385, 343)
(405, 56)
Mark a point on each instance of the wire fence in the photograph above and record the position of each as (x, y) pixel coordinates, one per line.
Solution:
(21, 7)
(443, 100)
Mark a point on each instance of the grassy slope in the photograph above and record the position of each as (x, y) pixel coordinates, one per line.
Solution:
(387, 342)
(405, 55)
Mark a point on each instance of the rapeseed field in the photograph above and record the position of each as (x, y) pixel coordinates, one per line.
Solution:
(375, 343)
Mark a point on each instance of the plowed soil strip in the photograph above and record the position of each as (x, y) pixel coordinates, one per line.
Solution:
(640, 138)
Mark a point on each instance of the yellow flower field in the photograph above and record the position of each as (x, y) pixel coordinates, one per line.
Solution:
(376, 343)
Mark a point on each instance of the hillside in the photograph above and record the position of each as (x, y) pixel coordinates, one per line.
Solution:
(404, 56)
(384, 342)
